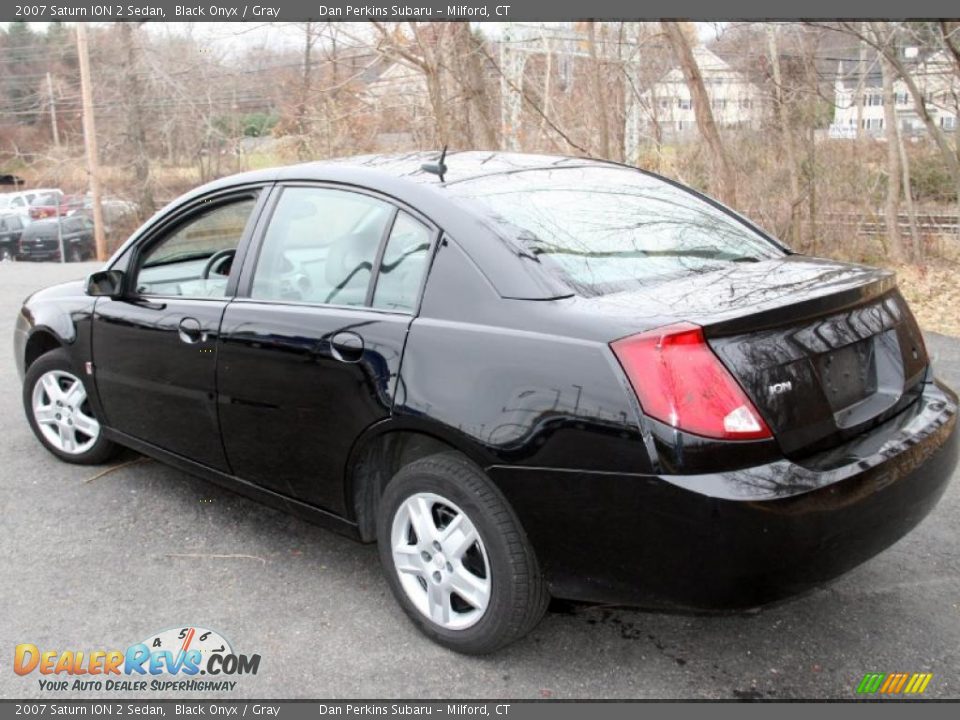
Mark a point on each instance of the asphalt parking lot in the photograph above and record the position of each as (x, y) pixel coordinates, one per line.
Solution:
(100, 561)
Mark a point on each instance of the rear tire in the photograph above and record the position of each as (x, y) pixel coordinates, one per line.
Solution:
(456, 558)
(59, 411)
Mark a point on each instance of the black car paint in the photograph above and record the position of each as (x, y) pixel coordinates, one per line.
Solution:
(43, 239)
(503, 363)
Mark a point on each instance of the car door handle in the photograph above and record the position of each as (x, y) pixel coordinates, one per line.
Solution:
(346, 346)
(190, 331)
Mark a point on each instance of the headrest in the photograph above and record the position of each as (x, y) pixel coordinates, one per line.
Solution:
(348, 253)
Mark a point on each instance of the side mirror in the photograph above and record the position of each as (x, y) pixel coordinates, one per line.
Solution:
(105, 283)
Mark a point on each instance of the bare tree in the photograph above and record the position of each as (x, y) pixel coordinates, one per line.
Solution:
(786, 133)
(725, 179)
(598, 90)
(480, 123)
(421, 54)
(136, 124)
(892, 206)
(888, 50)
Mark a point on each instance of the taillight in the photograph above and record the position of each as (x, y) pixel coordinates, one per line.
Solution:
(679, 381)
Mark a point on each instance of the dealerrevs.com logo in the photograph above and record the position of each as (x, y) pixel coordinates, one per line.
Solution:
(168, 661)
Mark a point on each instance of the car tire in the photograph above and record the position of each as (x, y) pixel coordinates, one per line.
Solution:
(6, 254)
(74, 254)
(501, 563)
(55, 425)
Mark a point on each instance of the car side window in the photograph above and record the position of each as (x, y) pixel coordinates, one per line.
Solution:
(403, 265)
(195, 259)
(320, 247)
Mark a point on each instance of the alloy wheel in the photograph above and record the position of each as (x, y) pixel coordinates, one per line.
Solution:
(441, 561)
(62, 412)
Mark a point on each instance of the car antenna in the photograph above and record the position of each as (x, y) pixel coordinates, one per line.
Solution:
(438, 168)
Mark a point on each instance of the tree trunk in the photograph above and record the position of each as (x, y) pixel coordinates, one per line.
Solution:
(547, 84)
(786, 131)
(136, 125)
(892, 207)
(599, 96)
(473, 81)
(916, 243)
(432, 76)
(725, 180)
(303, 122)
(861, 79)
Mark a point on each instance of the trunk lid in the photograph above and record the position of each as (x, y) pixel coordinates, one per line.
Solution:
(825, 350)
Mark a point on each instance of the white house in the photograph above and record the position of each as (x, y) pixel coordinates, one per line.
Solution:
(734, 99)
(933, 76)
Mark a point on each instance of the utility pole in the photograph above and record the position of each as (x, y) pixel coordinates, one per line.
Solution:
(90, 139)
(53, 112)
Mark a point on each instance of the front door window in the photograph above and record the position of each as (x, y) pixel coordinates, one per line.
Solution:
(196, 258)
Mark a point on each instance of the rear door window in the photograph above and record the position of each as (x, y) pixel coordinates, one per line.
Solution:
(320, 247)
(403, 265)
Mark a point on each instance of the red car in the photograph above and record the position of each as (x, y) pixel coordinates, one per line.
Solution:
(53, 204)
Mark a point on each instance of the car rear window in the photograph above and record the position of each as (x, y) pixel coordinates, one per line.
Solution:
(607, 229)
(40, 229)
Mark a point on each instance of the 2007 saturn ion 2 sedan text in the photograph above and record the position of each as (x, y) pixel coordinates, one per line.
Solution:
(522, 376)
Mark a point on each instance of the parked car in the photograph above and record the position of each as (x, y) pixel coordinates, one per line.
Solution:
(42, 240)
(19, 202)
(117, 213)
(522, 376)
(53, 204)
(11, 227)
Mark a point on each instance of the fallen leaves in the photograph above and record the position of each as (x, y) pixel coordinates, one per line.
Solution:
(933, 292)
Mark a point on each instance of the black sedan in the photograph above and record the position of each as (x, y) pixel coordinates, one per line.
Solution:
(522, 376)
(11, 228)
(46, 239)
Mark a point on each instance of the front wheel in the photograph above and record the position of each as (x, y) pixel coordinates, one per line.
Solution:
(55, 400)
(456, 558)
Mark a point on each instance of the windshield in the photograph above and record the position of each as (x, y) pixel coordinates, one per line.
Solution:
(605, 229)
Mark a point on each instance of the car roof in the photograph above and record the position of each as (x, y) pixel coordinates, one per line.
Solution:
(461, 166)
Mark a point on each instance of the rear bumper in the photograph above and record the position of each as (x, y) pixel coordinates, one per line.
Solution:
(39, 254)
(736, 539)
